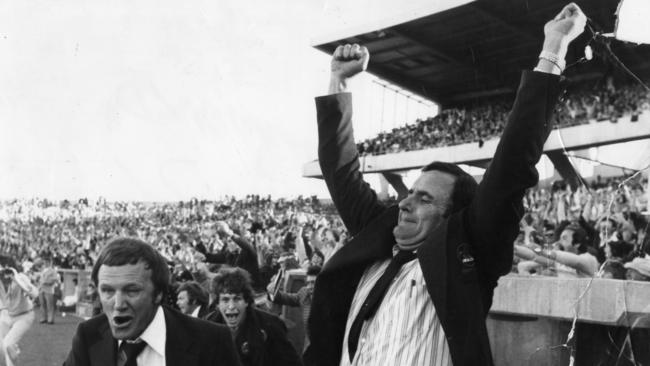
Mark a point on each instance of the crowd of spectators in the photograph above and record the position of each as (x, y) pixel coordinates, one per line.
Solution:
(598, 229)
(265, 236)
(71, 234)
(484, 120)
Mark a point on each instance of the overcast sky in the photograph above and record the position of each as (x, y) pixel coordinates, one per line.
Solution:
(165, 100)
(168, 99)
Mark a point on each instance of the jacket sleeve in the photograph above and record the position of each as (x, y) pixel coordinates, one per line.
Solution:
(494, 215)
(288, 299)
(355, 201)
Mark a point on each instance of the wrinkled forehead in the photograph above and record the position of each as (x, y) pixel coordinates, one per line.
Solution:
(138, 273)
(436, 183)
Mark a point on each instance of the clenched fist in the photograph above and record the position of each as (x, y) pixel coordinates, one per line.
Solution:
(347, 61)
(563, 29)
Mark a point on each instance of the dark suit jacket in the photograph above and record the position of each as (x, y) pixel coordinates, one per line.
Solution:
(262, 341)
(204, 311)
(461, 260)
(190, 342)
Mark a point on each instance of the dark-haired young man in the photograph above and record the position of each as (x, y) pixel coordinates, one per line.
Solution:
(135, 329)
(192, 299)
(261, 337)
(373, 303)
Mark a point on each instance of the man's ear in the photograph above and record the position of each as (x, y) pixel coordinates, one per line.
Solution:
(158, 299)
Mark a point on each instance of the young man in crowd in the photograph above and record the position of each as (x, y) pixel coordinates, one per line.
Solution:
(192, 299)
(260, 337)
(135, 329)
(461, 233)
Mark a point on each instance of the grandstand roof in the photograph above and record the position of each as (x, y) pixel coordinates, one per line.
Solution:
(478, 49)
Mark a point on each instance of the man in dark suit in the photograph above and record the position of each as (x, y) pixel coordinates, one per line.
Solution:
(242, 254)
(373, 303)
(261, 337)
(192, 299)
(132, 279)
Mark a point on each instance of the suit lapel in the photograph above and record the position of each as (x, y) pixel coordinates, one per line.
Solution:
(178, 343)
(102, 352)
(372, 243)
(432, 256)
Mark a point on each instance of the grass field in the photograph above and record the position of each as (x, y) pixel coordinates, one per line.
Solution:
(45, 344)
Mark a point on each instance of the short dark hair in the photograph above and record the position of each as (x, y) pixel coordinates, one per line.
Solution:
(579, 236)
(464, 188)
(579, 239)
(233, 281)
(195, 292)
(620, 249)
(313, 270)
(121, 251)
(9, 262)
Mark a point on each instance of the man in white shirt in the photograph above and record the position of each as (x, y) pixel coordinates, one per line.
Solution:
(135, 329)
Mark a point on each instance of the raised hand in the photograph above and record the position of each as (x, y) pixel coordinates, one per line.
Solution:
(567, 25)
(347, 61)
(564, 28)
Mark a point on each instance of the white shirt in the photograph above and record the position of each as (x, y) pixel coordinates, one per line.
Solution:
(195, 313)
(405, 330)
(156, 337)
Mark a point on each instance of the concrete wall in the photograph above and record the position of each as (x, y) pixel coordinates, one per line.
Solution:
(531, 317)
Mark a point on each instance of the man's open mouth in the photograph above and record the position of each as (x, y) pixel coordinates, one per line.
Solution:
(122, 320)
(232, 317)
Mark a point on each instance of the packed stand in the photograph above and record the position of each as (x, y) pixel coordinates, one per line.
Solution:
(485, 120)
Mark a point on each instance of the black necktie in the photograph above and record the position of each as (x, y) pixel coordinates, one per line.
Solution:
(369, 307)
(128, 353)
